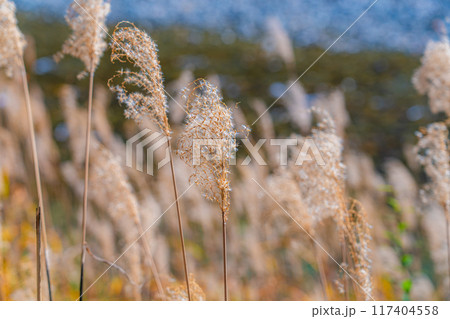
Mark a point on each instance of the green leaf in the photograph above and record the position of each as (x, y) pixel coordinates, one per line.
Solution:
(406, 285)
(407, 260)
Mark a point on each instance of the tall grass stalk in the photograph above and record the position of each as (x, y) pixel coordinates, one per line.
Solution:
(38, 254)
(37, 174)
(12, 44)
(180, 222)
(224, 254)
(86, 18)
(224, 209)
(151, 261)
(141, 50)
(210, 120)
(2, 279)
(447, 226)
(86, 180)
(321, 269)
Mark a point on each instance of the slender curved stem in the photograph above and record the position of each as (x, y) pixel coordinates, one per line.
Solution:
(180, 222)
(38, 253)
(86, 180)
(37, 173)
(447, 226)
(224, 253)
(151, 261)
(2, 280)
(321, 269)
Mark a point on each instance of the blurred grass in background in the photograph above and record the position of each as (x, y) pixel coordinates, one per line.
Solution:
(385, 109)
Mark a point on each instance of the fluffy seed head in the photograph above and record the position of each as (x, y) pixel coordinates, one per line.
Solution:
(433, 77)
(148, 98)
(357, 234)
(323, 186)
(12, 42)
(433, 152)
(286, 190)
(110, 186)
(208, 142)
(86, 18)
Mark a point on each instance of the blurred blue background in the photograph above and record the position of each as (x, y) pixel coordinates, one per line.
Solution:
(391, 24)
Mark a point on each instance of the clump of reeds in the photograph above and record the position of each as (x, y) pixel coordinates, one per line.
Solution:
(433, 79)
(86, 18)
(149, 101)
(322, 185)
(12, 44)
(208, 144)
(112, 192)
(285, 188)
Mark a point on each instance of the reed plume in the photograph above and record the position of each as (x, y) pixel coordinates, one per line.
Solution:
(12, 45)
(209, 122)
(282, 44)
(322, 186)
(86, 18)
(149, 101)
(433, 76)
(12, 40)
(433, 153)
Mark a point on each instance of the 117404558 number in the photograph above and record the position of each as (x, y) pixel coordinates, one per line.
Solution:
(381, 310)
